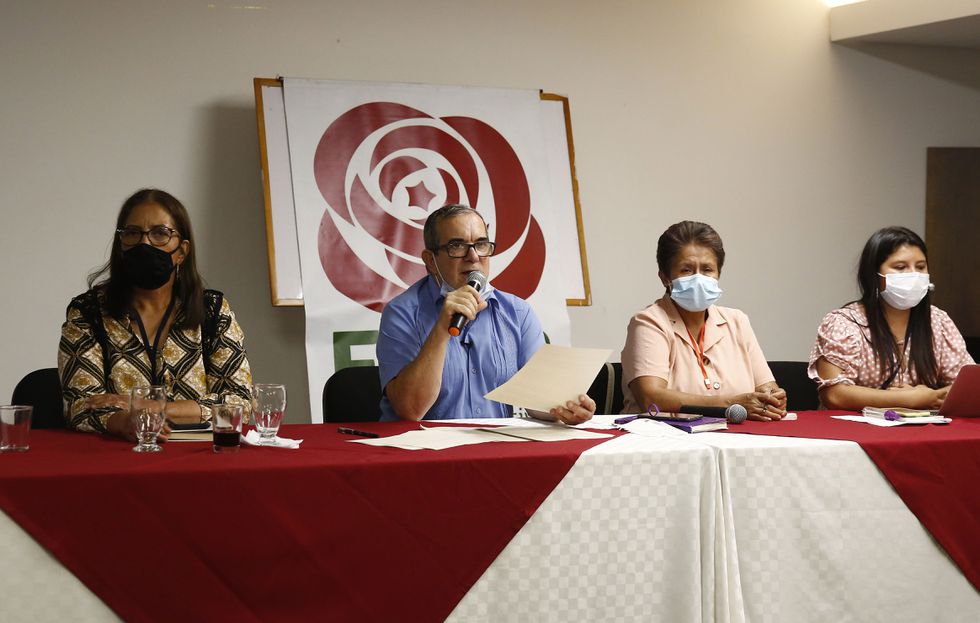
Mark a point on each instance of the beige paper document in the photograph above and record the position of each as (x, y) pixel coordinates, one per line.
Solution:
(436, 438)
(547, 432)
(555, 375)
(442, 437)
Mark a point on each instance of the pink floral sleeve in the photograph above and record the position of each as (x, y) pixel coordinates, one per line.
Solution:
(839, 341)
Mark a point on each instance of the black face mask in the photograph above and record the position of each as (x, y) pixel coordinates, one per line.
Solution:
(147, 267)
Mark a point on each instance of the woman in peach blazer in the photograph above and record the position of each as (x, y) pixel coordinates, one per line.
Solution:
(684, 349)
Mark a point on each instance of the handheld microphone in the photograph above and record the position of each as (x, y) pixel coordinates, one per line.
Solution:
(477, 281)
(735, 414)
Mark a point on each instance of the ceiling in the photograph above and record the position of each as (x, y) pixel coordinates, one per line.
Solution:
(958, 33)
(950, 23)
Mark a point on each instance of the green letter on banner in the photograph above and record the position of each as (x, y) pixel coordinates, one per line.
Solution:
(342, 343)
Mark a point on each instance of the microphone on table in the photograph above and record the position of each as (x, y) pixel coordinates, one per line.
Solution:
(477, 281)
(735, 414)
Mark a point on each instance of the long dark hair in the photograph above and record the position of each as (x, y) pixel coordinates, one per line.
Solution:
(918, 335)
(188, 287)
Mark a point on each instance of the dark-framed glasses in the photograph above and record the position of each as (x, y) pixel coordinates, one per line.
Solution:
(158, 235)
(458, 248)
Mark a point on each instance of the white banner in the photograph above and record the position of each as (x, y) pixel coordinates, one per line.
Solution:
(370, 161)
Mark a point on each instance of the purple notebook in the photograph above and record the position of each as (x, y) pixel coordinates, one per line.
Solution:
(700, 425)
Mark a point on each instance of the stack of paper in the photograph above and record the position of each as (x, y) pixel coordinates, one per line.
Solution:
(905, 416)
(193, 432)
(895, 416)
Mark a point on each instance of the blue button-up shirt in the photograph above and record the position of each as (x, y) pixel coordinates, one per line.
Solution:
(489, 351)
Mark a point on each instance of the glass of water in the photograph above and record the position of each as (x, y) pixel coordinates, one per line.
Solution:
(15, 428)
(268, 405)
(148, 411)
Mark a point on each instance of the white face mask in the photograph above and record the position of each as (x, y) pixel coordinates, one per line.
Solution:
(695, 293)
(905, 290)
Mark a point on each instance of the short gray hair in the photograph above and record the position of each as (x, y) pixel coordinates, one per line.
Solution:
(429, 234)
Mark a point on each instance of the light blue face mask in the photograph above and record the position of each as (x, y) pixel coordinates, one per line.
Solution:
(445, 288)
(695, 293)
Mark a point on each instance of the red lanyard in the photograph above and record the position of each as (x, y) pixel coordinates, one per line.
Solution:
(698, 347)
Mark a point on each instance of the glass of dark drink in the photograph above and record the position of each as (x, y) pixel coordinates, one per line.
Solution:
(226, 421)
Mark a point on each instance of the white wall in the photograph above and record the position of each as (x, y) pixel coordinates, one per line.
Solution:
(736, 112)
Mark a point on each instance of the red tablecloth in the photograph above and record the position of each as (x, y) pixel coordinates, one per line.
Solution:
(934, 468)
(334, 531)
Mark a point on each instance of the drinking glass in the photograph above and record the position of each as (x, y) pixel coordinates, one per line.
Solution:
(226, 421)
(268, 405)
(148, 411)
(15, 428)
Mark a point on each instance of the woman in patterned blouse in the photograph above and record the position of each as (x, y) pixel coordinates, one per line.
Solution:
(891, 348)
(147, 320)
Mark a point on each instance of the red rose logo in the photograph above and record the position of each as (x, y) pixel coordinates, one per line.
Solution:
(383, 167)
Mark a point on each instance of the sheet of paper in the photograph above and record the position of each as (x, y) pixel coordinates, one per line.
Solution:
(436, 438)
(546, 433)
(442, 437)
(598, 422)
(495, 421)
(553, 376)
(652, 428)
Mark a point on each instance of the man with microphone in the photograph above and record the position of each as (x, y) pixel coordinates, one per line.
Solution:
(451, 338)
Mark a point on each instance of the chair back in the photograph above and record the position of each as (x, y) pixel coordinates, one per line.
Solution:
(352, 395)
(973, 346)
(607, 389)
(41, 389)
(801, 392)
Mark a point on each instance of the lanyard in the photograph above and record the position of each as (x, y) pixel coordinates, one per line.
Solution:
(152, 351)
(698, 347)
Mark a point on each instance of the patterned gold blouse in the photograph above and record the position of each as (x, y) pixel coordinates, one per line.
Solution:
(210, 373)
